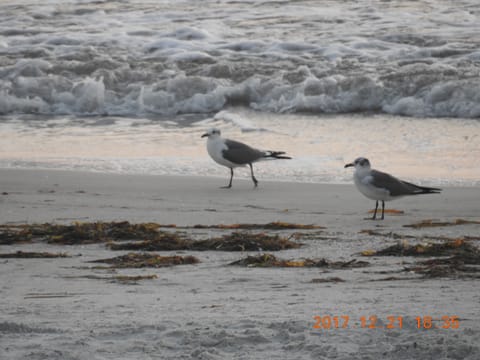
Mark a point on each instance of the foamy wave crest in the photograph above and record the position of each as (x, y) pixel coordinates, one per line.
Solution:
(415, 90)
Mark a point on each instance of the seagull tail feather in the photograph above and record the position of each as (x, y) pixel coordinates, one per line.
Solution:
(423, 189)
(276, 155)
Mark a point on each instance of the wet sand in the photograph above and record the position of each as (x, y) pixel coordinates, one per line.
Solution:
(66, 309)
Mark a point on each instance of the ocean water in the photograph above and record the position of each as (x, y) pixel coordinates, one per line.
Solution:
(129, 86)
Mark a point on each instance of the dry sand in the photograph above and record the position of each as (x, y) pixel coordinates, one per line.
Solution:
(57, 309)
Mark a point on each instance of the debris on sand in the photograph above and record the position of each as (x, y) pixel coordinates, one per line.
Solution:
(276, 225)
(236, 241)
(32, 255)
(389, 211)
(454, 258)
(79, 232)
(454, 267)
(390, 234)
(122, 279)
(141, 260)
(448, 248)
(85, 233)
(164, 241)
(327, 280)
(9, 236)
(433, 223)
(245, 241)
(269, 260)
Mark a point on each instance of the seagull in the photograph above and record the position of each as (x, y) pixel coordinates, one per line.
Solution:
(232, 154)
(377, 185)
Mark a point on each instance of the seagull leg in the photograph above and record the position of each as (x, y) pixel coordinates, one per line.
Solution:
(255, 181)
(375, 213)
(231, 178)
(383, 209)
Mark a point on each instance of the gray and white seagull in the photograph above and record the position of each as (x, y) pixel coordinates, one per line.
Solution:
(377, 185)
(232, 154)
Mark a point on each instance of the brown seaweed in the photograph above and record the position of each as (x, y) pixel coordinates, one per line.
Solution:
(10, 236)
(32, 255)
(453, 267)
(327, 280)
(448, 248)
(164, 241)
(433, 223)
(269, 260)
(79, 232)
(141, 260)
(245, 241)
(277, 225)
(389, 211)
(123, 279)
(236, 241)
(453, 258)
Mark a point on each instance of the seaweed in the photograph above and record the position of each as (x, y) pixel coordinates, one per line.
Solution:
(390, 234)
(32, 255)
(269, 260)
(448, 248)
(9, 236)
(79, 233)
(244, 241)
(164, 241)
(454, 266)
(453, 258)
(123, 279)
(389, 211)
(276, 225)
(433, 223)
(141, 260)
(150, 234)
(236, 241)
(327, 280)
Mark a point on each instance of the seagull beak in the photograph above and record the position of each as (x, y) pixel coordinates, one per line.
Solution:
(349, 165)
(205, 135)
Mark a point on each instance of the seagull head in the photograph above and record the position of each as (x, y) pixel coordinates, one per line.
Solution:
(212, 133)
(360, 163)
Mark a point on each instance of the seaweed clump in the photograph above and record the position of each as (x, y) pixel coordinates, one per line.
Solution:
(454, 258)
(450, 267)
(458, 247)
(9, 236)
(163, 241)
(276, 225)
(433, 223)
(32, 255)
(122, 279)
(269, 260)
(236, 241)
(142, 260)
(79, 233)
(244, 241)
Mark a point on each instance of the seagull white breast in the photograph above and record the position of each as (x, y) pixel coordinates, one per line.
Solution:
(215, 148)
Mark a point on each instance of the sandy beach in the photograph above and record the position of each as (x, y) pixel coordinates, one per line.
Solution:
(65, 308)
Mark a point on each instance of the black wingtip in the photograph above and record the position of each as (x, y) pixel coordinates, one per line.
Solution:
(277, 155)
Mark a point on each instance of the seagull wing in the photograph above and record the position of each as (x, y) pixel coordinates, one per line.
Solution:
(240, 153)
(395, 186)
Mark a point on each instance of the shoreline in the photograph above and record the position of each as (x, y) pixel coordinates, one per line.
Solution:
(62, 196)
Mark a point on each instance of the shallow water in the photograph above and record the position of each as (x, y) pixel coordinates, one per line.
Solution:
(431, 151)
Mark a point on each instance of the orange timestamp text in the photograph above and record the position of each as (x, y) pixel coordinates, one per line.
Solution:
(328, 322)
